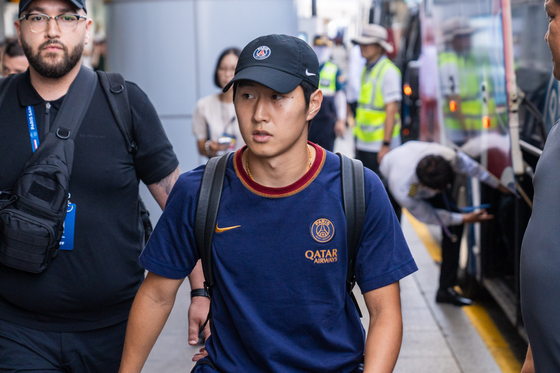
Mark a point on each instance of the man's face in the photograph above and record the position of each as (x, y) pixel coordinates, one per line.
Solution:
(271, 123)
(371, 52)
(52, 53)
(13, 65)
(552, 36)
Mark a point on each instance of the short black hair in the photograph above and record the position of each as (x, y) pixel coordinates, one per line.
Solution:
(228, 51)
(435, 172)
(13, 49)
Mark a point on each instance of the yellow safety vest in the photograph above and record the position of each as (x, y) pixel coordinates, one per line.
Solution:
(327, 79)
(370, 114)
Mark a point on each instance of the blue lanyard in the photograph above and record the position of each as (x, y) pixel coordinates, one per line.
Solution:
(32, 124)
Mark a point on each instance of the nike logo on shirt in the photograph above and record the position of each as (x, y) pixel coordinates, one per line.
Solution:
(221, 230)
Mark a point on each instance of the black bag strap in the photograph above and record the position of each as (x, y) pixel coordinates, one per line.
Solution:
(114, 87)
(354, 203)
(206, 216)
(75, 105)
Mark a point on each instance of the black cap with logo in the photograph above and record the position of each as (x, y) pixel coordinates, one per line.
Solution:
(279, 62)
(80, 4)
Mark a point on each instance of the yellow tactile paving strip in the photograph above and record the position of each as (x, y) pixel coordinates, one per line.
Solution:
(478, 316)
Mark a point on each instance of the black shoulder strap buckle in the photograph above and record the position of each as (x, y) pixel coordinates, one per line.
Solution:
(354, 202)
(114, 87)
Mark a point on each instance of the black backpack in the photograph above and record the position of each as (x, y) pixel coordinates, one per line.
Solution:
(32, 219)
(211, 186)
(114, 87)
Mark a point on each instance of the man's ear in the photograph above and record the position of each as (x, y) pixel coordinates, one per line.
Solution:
(314, 104)
(17, 25)
(87, 36)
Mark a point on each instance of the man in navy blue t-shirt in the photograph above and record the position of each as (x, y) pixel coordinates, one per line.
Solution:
(279, 303)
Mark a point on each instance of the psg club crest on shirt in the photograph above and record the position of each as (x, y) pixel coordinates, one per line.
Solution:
(262, 53)
(322, 230)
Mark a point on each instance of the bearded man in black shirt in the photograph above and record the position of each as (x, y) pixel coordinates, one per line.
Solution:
(72, 317)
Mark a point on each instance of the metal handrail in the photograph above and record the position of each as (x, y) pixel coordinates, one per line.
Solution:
(530, 148)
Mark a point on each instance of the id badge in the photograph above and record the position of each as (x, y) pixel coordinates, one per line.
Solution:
(67, 241)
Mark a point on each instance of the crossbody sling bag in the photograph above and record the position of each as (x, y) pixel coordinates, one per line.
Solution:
(210, 194)
(32, 219)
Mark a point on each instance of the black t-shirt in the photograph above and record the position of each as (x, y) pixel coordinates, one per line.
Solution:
(93, 285)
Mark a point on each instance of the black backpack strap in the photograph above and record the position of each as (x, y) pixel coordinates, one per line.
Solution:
(75, 105)
(114, 87)
(206, 216)
(354, 202)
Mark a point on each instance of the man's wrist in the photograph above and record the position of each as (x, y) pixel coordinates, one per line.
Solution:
(199, 293)
(208, 149)
(386, 143)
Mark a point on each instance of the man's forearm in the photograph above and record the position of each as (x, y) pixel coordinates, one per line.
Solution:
(196, 278)
(385, 330)
(160, 190)
(383, 343)
(147, 317)
(391, 111)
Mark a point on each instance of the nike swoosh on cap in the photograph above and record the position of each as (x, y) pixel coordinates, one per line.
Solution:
(308, 73)
(221, 230)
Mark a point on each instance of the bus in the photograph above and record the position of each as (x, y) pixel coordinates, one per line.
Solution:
(477, 77)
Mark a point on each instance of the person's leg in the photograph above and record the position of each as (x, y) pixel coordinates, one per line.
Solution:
(450, 257)
(369, 160)
(24, 349)
(94, 351)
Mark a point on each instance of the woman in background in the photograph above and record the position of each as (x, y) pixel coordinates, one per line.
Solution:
(214, 122)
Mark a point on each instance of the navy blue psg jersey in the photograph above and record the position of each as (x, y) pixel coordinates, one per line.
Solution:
(280, 258)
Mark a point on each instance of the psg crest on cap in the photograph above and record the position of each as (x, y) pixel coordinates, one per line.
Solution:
(262, 53)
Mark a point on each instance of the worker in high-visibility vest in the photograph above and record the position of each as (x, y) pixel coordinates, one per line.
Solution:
(378, 124)
(330, 121)
(461, 83)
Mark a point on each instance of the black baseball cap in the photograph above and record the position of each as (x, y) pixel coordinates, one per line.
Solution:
(80, 4)
(279, 62)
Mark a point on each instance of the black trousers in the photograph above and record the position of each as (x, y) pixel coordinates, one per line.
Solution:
(449, 249)
(29, 350)
(369, 160)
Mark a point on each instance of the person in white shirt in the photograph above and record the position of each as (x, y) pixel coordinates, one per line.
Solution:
(214, 122)
(419, 176)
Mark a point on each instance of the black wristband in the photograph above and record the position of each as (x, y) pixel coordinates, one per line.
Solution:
(199, 293)
(386, 143)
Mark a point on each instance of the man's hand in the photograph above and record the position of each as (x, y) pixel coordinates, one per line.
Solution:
(200, 355)
(384, 150)
(477, 216)
(198, 312)
(340, 128)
